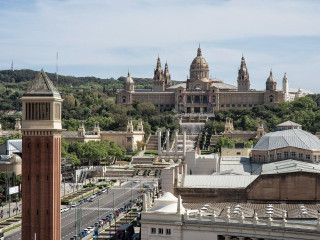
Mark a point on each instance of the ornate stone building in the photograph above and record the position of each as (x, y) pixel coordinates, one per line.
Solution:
(202, 94)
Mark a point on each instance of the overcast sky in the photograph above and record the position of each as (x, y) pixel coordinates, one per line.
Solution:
(106, 38)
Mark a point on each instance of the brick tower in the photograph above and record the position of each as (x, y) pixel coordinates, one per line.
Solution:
(41, 165)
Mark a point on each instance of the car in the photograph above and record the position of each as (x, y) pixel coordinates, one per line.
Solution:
(90, 200)
(90, 229)
(136, 181)
(73, 205)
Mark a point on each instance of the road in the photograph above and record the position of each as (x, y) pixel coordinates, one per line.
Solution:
(90, 212)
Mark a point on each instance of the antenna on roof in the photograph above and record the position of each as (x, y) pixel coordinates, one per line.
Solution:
(57, 70)
(12, 65)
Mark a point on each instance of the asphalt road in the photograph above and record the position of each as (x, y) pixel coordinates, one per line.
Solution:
(90, 212)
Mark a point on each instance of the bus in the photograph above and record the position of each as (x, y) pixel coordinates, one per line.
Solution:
(124, 232)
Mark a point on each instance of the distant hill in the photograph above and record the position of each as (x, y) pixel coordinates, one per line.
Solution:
(26, 75)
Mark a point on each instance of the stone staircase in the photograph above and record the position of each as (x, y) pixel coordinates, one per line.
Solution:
(214, 139)
(152, 143)
(142, 160)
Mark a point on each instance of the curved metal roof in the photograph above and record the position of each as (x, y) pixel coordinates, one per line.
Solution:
(288, 138)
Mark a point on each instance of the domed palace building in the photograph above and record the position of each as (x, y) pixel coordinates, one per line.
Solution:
(202, 94)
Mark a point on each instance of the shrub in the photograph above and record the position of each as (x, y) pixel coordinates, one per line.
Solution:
(65, 202)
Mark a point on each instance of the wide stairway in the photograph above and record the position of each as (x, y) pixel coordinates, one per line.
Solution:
(152, 143)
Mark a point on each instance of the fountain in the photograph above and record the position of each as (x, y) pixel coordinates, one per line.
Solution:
(192, 128)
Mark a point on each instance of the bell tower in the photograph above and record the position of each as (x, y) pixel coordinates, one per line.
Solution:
(243, 77)
(158, 78)
(41, 165)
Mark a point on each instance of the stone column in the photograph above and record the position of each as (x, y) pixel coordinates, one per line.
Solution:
(168, 140)
(176, 145)
(241, 238)
(227, 237)
(159, 142)
(184, 143)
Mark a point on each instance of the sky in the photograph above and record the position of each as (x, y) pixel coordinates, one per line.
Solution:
(105, 38)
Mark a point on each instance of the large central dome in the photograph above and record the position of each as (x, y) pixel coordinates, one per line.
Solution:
(199, 68)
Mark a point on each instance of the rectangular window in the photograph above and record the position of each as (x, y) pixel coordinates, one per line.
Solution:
(314, 158)
(168, 231)
(239, 105)
(271, 157)
(293, 155)
(318, 158)
(233, 105)
(308, 157)
(153, 230)
(278, 156)
(300, 156)
(286, 155)
(250, 105)
(222, 105)
(245, 105)
(160, 230)
(228, 105)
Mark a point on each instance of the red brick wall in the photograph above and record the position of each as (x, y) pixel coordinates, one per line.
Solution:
(41, 169)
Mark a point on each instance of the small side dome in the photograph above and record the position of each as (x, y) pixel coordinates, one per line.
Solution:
(271, 78)
(129, 78)
(15, 159)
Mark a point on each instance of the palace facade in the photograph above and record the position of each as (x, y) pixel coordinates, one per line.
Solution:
(202, 94)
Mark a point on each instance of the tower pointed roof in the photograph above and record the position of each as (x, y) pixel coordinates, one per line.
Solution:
(42, 86)
(285, 77)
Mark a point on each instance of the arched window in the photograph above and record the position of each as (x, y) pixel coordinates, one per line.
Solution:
(124, 99)
(271, 98)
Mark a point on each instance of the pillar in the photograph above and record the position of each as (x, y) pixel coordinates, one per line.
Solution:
(176, 142)
(159, 142)
(168, 140)
(184, 143)
(227, 237)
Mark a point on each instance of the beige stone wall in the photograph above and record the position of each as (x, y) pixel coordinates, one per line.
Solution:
(13, 167)
(245, 152)
(123, 139)
(266, 156)
(297, 186)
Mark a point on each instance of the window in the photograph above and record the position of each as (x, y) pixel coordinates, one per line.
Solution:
(123, 99)
(222, 105)
(300, 156)
(250, 105)
(308, 156)
(153, 230)
(239, 105)
(314, 158)
(160, 230)
(244, 105)
(318, 158)
(238, 153)
(228, 105)
(278, 156)
(271, 157)
(168, 231)
(233, 105)
(286, 155)
(293, 155)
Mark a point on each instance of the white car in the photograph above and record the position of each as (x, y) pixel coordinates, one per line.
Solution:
(90, 229)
